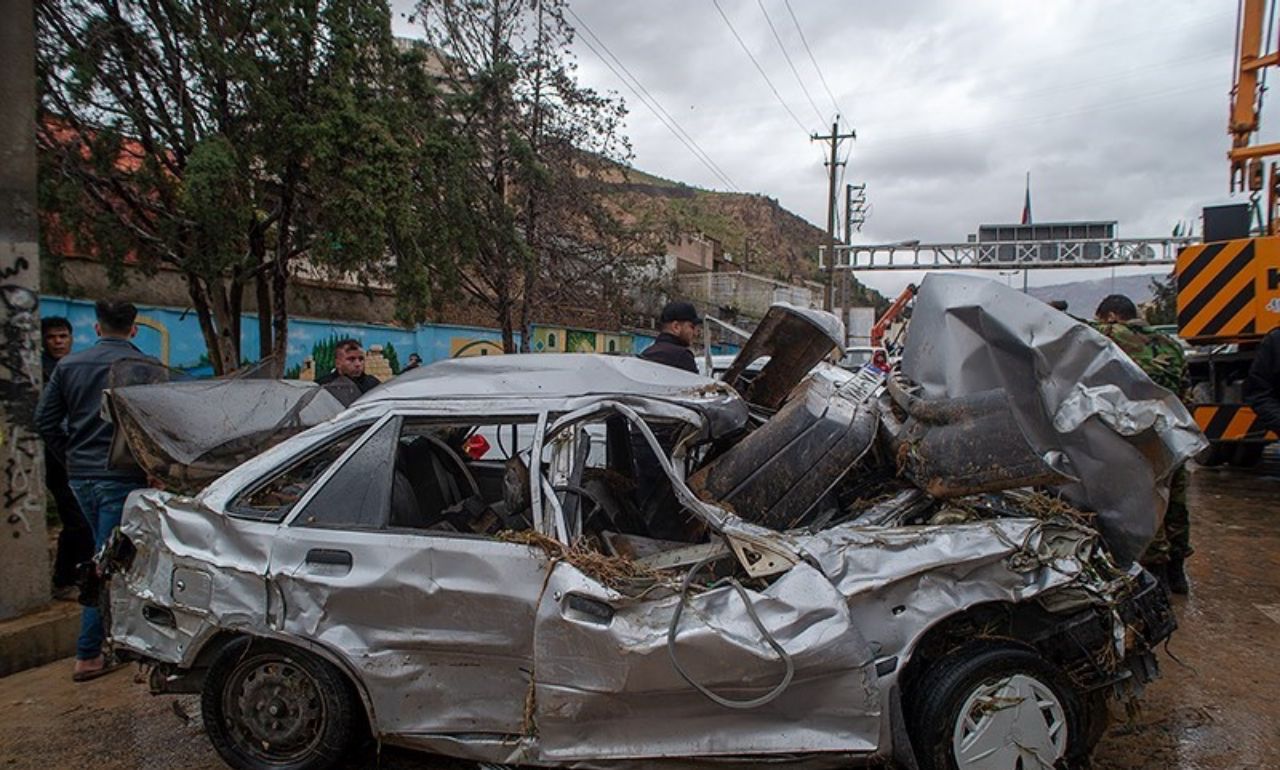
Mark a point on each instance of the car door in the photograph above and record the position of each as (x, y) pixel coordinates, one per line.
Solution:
(606, 685)
(437, 626)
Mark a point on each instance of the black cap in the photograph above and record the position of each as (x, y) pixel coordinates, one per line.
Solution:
(679, 311)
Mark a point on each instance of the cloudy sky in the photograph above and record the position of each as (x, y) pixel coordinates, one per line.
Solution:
(1118, 109)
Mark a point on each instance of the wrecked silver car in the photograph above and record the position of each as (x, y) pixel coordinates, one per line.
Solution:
(819, 568)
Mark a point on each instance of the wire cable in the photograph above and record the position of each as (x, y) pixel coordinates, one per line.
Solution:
(813, 60)
(652, 104)
(759, 69)
(755, 619)
(790, 63)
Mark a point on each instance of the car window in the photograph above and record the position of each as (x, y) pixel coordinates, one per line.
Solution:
(465, 477)
(358, 494)
(273, 499)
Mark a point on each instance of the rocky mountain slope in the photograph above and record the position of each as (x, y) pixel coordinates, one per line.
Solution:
(757, 233)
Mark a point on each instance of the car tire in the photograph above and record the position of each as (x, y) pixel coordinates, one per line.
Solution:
(957, 727)
(268, 706)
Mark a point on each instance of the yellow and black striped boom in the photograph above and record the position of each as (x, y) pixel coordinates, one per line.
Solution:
(1230, 422)
(1229, 291)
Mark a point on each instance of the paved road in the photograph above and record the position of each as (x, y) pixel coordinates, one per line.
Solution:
(1218, 709)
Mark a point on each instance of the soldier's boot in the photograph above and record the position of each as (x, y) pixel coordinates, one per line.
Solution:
(1176, 576)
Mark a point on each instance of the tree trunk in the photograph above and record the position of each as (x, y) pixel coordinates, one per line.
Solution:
(504, 319)
(229, 346)
(530, 276)
(279, 316)
(235, 302)
(280, 276)
(222, 360)
(526, 328)
(263, 287)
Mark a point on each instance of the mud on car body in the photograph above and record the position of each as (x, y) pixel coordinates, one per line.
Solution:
(461, 563)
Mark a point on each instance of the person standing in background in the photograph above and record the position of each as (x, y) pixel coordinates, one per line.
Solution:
(69, 419)
(1162, 360)
(1262, 387)
(75, 540)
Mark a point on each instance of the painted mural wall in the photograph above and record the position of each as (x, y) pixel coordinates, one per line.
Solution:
(174, 337)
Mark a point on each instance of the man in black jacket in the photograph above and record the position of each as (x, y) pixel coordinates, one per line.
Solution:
(348, 362)
(75, 540)
(680, 326)
(69, 420)
(1262, 387)
(655, 499)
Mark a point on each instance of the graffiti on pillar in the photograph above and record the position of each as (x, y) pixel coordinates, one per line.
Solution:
(20, 390)
(23, 497)
(20, 354)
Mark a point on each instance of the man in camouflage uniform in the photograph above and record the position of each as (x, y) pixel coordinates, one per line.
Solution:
(1162, 360)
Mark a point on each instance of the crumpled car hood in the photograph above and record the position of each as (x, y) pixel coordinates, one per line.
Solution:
(1081, 404)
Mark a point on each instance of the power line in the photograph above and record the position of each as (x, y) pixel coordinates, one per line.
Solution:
(669, 122)
(759, 69)
(812, 60)
(790, 64)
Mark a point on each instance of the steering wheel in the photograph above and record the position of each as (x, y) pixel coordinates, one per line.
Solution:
(457, 460)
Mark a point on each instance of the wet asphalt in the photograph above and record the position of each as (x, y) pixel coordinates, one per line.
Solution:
(1217, 706)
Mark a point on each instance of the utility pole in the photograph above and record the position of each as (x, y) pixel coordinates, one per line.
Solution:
(855, 209)
(855, 214)
(832, 166)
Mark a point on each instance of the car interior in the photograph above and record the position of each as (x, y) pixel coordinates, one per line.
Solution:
(475, 479)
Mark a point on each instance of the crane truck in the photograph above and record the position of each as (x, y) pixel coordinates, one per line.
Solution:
(1228, 288)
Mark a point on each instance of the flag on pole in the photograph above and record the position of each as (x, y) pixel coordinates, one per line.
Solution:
(1026, 203)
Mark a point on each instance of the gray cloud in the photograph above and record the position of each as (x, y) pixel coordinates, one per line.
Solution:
(1117, 109)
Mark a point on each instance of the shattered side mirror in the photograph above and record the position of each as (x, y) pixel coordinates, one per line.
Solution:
(794, 339)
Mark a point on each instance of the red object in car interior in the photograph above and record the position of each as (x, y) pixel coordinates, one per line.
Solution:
(476, 446)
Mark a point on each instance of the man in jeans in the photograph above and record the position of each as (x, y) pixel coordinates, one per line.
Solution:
(75, 541)
(68, 420)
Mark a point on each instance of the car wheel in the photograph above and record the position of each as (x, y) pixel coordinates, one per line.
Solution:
(267, 706)
(998, 707)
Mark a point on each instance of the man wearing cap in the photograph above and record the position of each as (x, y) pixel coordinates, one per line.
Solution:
(680, 325)
(654, 497)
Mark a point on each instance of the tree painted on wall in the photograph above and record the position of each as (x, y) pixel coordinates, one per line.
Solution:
(323, 354)
(393, 358)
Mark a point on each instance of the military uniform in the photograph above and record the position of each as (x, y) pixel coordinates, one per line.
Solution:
(1163, 361)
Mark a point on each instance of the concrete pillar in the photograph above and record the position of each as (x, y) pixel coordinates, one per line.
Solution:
(24, 542)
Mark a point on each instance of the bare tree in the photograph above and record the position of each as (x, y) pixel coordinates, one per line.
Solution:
(543, 228)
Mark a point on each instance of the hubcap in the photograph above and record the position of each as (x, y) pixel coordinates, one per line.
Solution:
(273, 708)
(1012, 723)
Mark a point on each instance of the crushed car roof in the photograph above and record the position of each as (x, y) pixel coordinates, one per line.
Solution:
(543, 376)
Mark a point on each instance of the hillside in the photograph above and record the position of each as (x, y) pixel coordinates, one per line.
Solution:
(760, 235)
(1082, 297)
